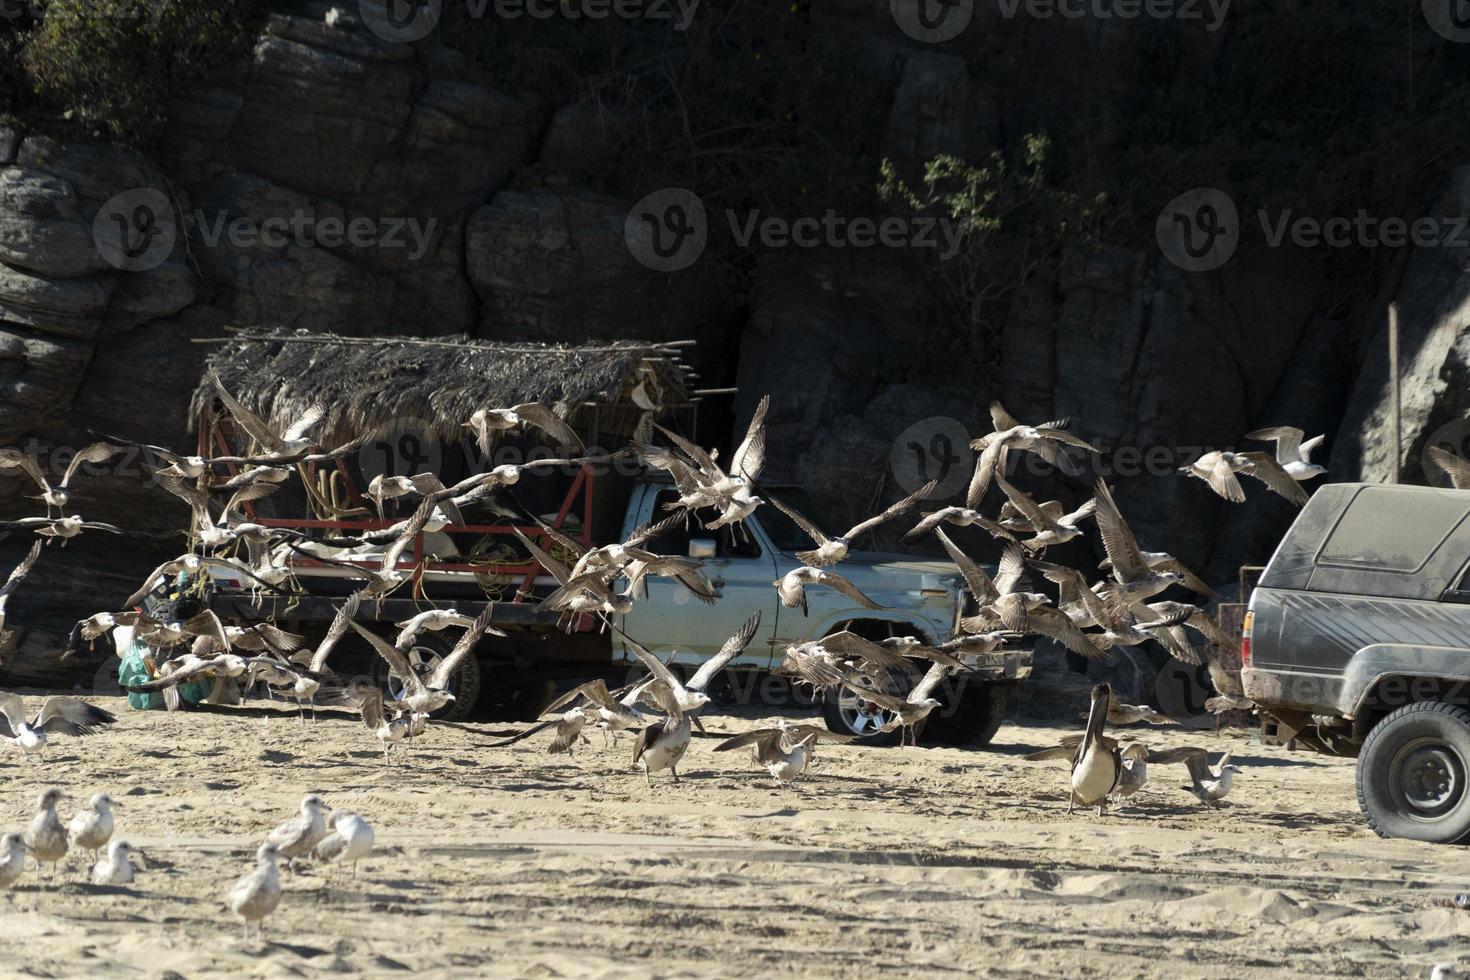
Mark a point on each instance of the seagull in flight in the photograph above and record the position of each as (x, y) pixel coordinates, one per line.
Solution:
(1293, 452)
(831, 550)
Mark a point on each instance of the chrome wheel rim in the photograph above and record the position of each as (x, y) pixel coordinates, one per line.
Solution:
(423, 661)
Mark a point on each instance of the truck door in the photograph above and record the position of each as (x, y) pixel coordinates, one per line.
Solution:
(670, 620)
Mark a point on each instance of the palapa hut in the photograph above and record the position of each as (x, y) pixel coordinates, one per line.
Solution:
(602, 389)
(425, 389)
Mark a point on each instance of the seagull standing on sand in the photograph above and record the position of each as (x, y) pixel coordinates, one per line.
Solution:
(117, 867)
(13, 852)
(257, 894)
(351, 840)
(45, 836)
(1292, 452)
(612, 716)
(91, 828)
(296, 837)
(1209, 784)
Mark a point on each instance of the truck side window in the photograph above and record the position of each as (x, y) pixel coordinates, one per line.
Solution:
(729, 543)
(675, 540)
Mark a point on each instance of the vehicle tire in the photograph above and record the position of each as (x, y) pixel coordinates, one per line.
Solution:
(845, 713)
(1412, 773)
(981, 711)
(427, 651)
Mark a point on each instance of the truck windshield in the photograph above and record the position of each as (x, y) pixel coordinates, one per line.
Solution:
(783, 532)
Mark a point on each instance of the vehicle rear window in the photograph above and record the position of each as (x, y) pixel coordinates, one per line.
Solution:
(1392, 529)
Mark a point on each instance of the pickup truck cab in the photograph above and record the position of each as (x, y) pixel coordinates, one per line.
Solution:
(920, 597)
(1357, 642)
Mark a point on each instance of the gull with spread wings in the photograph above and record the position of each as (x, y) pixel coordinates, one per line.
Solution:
(831, 550)
(1219, 470)
(1004, 607)
(1045, 440)
(57, 497)
(690, 696)
(488, 423)
(58, 716)
(1293, 452)
(908, 712)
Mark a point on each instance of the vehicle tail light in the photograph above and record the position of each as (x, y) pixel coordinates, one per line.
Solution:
(1245, 639)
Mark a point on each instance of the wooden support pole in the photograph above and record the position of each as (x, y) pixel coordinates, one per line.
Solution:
(1396, 406)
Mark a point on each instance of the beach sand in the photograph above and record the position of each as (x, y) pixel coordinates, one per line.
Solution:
(512, 862)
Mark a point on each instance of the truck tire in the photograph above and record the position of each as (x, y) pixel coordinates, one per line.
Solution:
(981, 711)
(427, 651)
(1412, 773)
(846, 714)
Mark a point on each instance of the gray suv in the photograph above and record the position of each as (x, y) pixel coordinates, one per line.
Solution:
(1357, 642)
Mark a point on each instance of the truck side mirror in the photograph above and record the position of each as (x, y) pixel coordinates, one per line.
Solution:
(702, 547)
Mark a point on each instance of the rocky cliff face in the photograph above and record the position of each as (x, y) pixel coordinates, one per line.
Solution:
(484, 211)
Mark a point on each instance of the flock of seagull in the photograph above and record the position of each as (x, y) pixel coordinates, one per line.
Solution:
(663, 708)
(329, 838)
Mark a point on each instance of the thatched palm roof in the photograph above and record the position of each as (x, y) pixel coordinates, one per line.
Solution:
(364, 382)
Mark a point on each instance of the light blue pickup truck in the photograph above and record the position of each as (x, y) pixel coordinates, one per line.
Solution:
(517, 676)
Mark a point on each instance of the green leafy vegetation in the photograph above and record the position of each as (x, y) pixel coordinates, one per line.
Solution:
(110, 67)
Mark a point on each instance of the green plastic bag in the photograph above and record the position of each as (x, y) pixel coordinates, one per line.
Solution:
(133, 670)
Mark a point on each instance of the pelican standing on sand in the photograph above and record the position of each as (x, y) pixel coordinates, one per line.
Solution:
(1097, 765)
(257, 894)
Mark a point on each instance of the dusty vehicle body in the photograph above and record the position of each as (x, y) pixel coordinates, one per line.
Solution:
(1358, 643)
